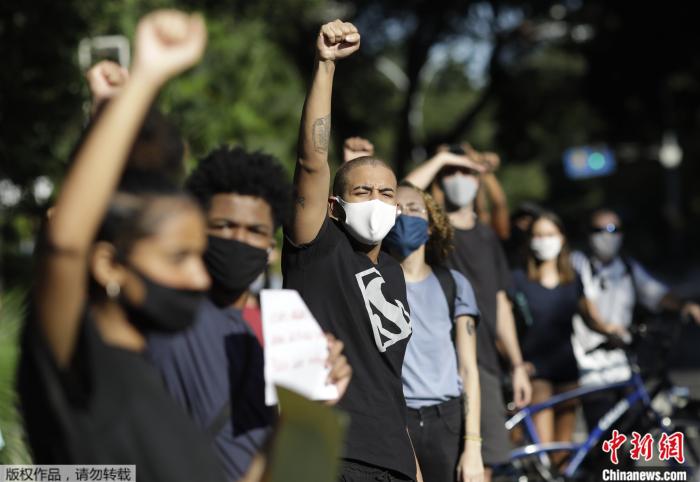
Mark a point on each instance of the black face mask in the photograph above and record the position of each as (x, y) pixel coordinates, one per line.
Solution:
(164, 309)
(233, 266)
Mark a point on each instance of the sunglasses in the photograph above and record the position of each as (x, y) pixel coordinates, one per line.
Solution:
(608, 228)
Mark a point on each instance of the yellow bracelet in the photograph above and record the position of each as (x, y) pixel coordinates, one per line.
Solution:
(473, 437)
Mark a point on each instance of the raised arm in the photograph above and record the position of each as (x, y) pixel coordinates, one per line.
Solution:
(336, 40)
(498, 205)
(498, 201)
(167, 42)
(423, 175)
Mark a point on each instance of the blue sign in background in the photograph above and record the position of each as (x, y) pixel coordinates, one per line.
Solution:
(585, 162)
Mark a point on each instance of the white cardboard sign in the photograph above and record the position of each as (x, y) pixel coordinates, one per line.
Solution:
(296, 349)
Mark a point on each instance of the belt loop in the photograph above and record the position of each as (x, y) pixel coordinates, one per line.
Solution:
(440, 408)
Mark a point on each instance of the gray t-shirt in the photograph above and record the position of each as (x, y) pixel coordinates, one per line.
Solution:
(430, 373)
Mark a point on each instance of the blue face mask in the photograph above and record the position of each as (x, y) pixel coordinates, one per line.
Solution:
(408, 234)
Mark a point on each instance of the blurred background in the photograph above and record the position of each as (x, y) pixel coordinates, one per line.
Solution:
(588, 102)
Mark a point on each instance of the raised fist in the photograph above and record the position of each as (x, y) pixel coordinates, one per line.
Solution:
(337, 40)
(168, 42)
(106, 79)
(355, 147)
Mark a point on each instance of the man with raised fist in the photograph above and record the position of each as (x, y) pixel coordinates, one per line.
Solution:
(332, 256)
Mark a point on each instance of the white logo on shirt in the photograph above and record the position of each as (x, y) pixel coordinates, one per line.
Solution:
(386, 317)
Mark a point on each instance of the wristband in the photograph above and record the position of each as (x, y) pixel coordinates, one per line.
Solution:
(471, 437)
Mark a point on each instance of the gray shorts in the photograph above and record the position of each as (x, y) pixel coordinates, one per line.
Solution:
(496, 446)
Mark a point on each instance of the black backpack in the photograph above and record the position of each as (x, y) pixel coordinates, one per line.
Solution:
(449, 288)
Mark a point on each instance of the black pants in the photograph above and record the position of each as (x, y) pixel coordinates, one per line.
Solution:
(355, 471)
(436, 433)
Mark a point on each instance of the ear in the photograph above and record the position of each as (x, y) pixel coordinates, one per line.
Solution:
(104, 266)
(335, 211)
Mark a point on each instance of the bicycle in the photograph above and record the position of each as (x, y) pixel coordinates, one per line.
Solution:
(532, 460)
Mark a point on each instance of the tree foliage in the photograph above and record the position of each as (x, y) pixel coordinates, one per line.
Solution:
(516, 77)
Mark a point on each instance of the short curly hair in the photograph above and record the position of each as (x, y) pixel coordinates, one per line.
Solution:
(440, 243)
(235, 170)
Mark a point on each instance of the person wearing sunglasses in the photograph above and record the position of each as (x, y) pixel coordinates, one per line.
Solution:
(615, 283)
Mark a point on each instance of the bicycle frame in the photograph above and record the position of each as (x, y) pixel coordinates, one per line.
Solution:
(639, 393)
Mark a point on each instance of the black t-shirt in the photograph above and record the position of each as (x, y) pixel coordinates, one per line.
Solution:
(545, 334)
(108, 407)
(365, 306)
(478, 255)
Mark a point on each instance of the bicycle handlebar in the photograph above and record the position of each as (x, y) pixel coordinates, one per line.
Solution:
(640, 331)
(613, 342)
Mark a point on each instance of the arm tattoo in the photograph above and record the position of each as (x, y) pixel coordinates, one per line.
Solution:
(321, 134)
(471, 328)
(300, 201)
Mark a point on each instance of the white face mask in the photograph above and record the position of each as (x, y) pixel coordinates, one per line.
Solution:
(546, 248)
(460, 190)
(369, 221)
(605, 246)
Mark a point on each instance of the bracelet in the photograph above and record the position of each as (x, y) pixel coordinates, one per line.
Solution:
(472, 437)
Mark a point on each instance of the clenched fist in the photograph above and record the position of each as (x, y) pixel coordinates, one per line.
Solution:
(355, 147)
(168, 42)
(337, 40)
(106, 79)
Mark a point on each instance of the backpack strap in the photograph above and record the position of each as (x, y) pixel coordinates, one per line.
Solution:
(449, 287)
(628, 268)
(627, 263)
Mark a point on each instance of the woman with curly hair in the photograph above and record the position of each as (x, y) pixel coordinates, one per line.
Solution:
(440, 377)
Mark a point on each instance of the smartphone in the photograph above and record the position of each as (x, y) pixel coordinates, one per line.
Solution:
(105, 47)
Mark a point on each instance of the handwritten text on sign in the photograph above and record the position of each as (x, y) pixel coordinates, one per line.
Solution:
(296, 349)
